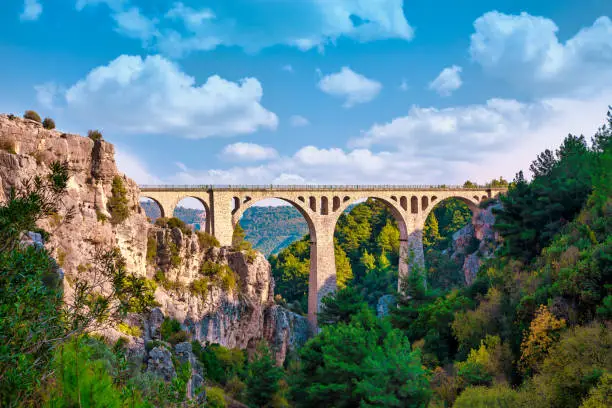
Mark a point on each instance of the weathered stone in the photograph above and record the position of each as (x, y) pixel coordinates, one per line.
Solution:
(285, 331)
(384, 305)
(153, 324)
(160, 363)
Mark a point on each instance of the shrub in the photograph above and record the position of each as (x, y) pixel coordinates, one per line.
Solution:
(215, 398)
(8, 146)
(483, 397)
(129, 330)
(32, 115)
(178, 337)
(173, 222)
(151, 250)
(48, 123)
(101, 217)
(175, 256)
(207, 240)
(94, 135)
(118, 203)
(150, 345)
(220, 363)
(169, 327)
(199, 287)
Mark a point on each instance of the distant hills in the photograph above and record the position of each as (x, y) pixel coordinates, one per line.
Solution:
(269, 229)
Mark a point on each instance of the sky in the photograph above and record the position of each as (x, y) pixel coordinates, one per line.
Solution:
(312, 91)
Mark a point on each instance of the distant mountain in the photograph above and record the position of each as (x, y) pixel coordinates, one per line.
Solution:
(269, 229)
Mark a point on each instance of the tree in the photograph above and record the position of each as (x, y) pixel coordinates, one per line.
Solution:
(340, 306)
(118, 202)
(263, 377)
(469, 184)
(239, 242)
(32, 115)
(543, 333)
(344, 272)
(48, 123)
(361, 363)
(431, 233)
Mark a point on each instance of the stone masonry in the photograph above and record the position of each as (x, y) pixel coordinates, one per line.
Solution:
(321, 207)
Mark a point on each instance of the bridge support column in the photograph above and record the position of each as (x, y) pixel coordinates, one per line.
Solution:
(322, 279)
(221, 217)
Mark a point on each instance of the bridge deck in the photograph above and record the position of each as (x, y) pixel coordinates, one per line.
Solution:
(314, 187)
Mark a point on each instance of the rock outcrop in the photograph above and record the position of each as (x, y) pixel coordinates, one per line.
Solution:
(233, 317)
(475, 242)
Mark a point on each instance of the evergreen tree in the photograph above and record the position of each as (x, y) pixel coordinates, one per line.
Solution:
(431, 233)
(118, 202)
(263, 377)
(340, 306)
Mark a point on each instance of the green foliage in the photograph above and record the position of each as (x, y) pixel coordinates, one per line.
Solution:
(199, 287)
(30, 319)
(601, 395)
(215, 398)
(220, 363)
(32, 115)
(8, 146)
(291, 269)
(238, 239)
(431, 231)
(94, 135)
(263, 377)
(118, 202)
(364, 363)
(151, 250)
(48, 123)
(482, 397)
(174, 222)
(169, 327)
(340, 306)
(129, 330)
(206, 240)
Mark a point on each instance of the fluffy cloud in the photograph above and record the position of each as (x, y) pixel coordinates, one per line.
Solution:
(526, 51)
(32, 9)
(458, 133)
(298, 121)
(304, 24)
(132, 95)
(448, 81)
(353, 87)
(248, 152)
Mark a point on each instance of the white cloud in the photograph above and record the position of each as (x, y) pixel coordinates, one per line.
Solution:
(403, 85)
(304, 24)
(288, 68)
(132, 95)
(32, 9)
(526, 51)
(248, 152)
(448, 81)
(458, 133)
(298, 121)
(133, 24)
(46, 94)
(134, 168)
(353, 87)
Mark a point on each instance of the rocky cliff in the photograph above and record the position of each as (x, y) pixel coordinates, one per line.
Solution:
(234, 310)
(475, 242)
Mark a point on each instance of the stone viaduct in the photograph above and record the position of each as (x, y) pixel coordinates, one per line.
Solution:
(321, 206)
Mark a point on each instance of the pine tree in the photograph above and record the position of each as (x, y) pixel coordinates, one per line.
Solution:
(263, 377)
(431, 233)
(118, 203)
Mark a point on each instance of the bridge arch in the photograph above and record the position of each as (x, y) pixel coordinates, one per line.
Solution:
(142, 198)
(207, 213)
(471, 201)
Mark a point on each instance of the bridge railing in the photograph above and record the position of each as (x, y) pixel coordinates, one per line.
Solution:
(311, 187)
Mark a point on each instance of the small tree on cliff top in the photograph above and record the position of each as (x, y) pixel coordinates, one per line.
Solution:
(118, 203)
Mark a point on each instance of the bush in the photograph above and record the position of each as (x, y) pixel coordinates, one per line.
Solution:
(220, 363)
(151, 250)
(173, 222)
(48, 123)
(94, 135)
(178, 337)
(199, 287)
(129, 330)
(8, 146)
(118, 203)
(169, 327)
(32, 115)
(483, 397)
(215, 398)
(207, 240)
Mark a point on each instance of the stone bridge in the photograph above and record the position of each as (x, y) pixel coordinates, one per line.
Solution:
(321, 207)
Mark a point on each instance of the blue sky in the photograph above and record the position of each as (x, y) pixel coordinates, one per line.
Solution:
(312, 91)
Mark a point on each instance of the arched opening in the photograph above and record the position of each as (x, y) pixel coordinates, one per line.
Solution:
(283, 232)
(336, 204)
(152, 208)
(414, 205)
(369, 239)
(193, 212)
(448, 238)
(324, 206)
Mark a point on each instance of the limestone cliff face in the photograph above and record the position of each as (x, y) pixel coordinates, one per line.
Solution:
(233, 318)
(475, 242)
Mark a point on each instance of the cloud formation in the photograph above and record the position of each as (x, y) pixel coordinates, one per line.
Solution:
(248, 152)
(448, 81)
(134, 95)
(32, 9)
(304, 24)
(298, 121)
(525, 50)
(353, 87)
